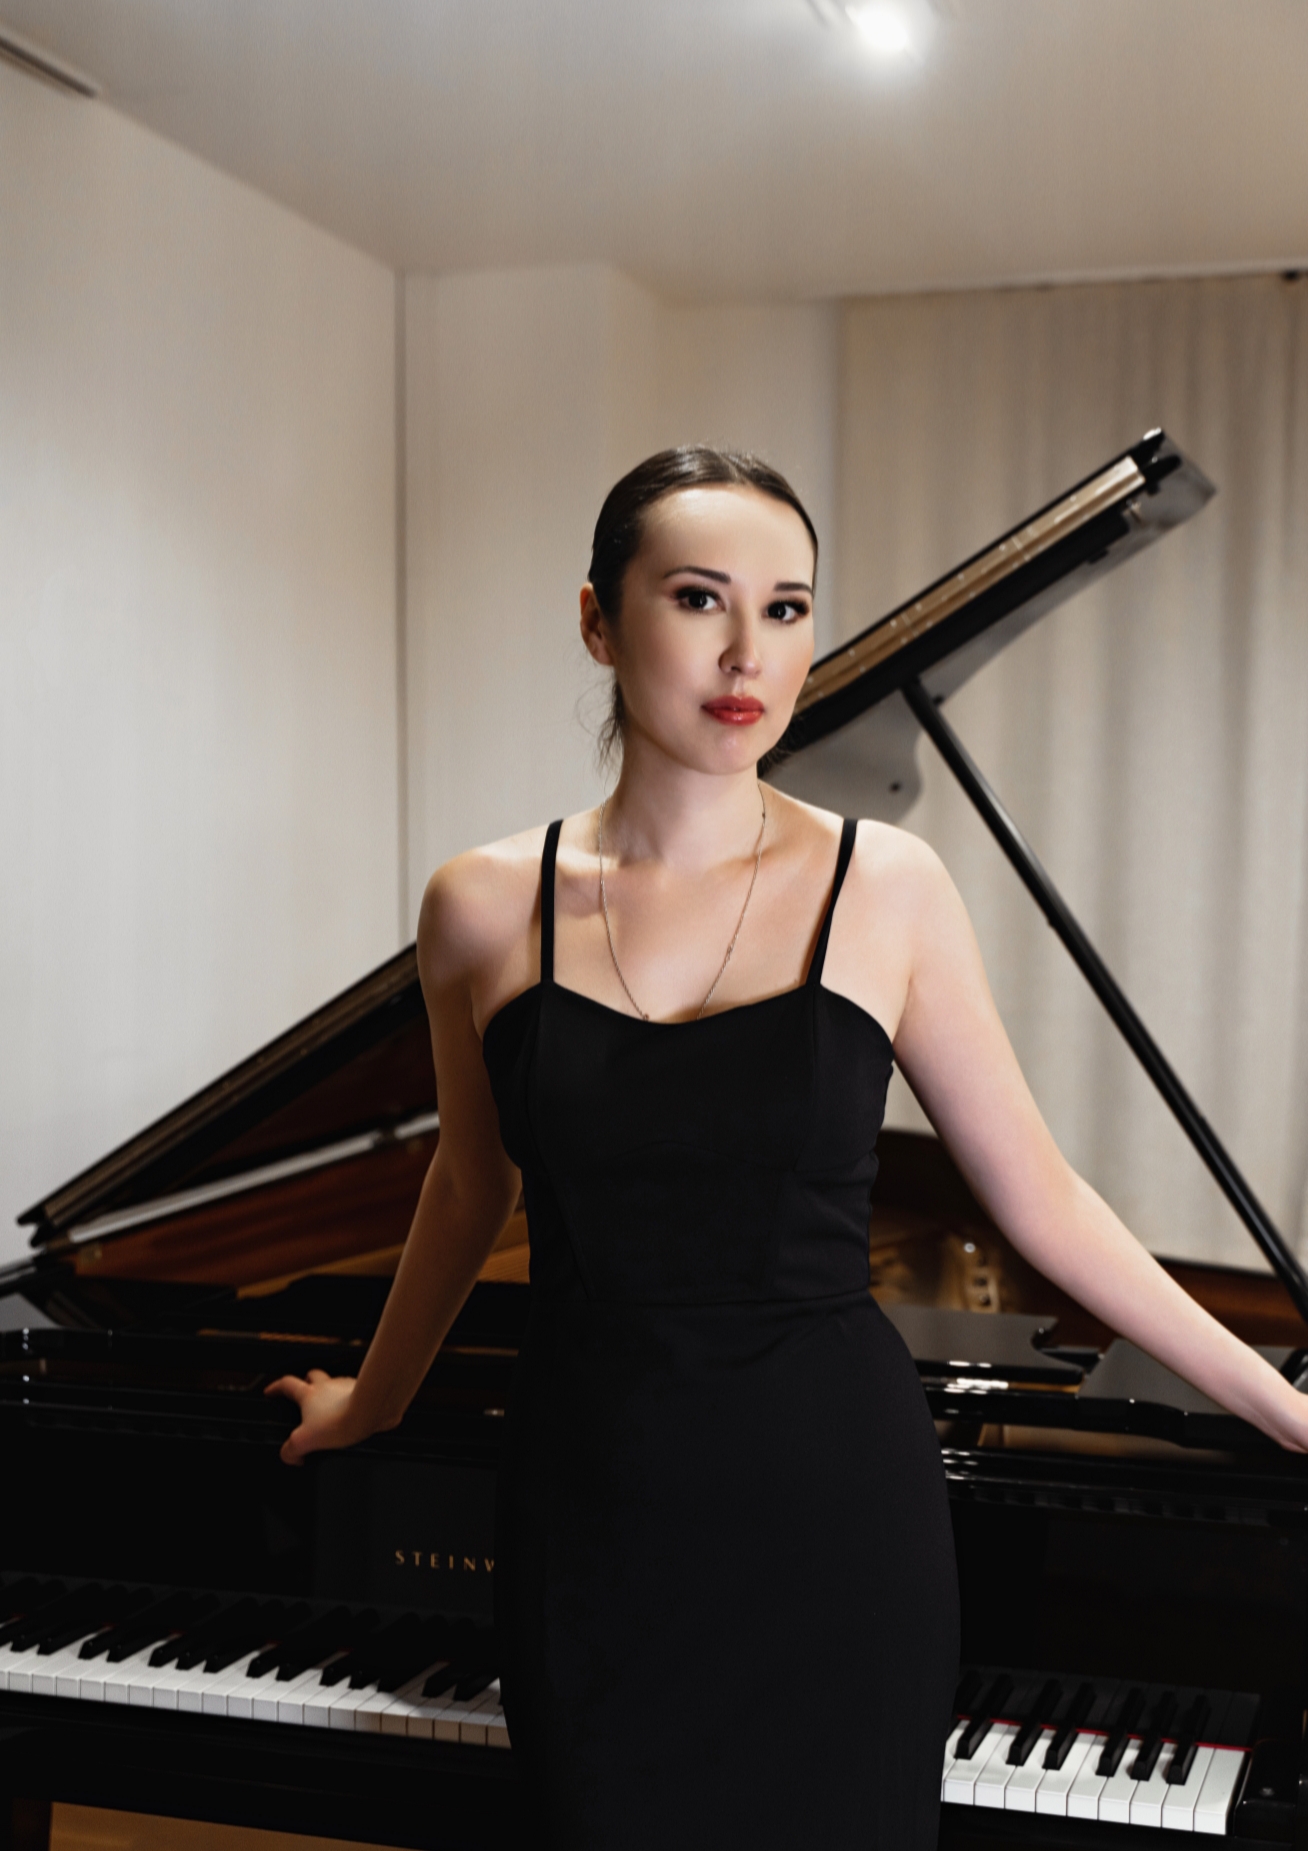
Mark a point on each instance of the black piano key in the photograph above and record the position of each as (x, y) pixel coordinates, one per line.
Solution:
(174, 1614)
(200, 1638)
(361, 1664)
(1151, 1744)
(22, 1595)
(1083, 1701)
(1128, 1715)
(1038, 1716)
(442, 1680)
(472, 1686)
(1187, 1741)
(969, 1688)
(234, 1623)
(408, 1656)
(269, 1621)
(116, 1602)
(304, 1637)
(50, 1598)
(990, 1706)
(355, 1630)
(77, 1609)
(316, 1640)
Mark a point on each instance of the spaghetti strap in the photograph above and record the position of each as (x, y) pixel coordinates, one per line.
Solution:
(849, 829)
(547, 860)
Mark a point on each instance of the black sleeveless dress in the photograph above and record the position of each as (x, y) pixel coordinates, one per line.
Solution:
(724, 1571)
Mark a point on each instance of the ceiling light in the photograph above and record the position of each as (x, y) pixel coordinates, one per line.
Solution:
(893, 31)
(885, 26)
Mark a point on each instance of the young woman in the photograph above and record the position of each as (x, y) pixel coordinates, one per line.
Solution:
(725, 1574)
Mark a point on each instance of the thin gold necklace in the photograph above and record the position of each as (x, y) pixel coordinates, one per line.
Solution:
(604, 903)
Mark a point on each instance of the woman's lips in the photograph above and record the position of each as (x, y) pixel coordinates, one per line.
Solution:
(734, 710)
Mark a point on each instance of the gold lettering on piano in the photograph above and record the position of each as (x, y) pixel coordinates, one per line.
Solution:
(444, 1562)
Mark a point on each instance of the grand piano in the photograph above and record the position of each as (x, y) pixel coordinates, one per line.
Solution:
(189, 1628)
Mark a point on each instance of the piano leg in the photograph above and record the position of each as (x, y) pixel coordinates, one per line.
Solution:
(24, 1823)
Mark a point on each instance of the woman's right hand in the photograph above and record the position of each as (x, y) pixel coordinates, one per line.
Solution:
(325, 1403)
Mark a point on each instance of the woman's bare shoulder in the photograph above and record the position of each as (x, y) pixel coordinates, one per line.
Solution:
(478, 906)
(883, 853)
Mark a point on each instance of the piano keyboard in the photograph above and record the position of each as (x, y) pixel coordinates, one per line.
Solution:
(1121, 1753)
(255, 1660)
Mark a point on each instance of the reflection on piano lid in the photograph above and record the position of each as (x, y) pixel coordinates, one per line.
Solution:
(1106, 1518)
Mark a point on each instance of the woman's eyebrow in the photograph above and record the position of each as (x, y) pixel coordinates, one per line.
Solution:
(724, 578)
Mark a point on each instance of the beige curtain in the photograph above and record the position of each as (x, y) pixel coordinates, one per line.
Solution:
(1151, 737)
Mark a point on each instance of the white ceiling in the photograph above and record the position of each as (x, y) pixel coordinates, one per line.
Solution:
(736, 148)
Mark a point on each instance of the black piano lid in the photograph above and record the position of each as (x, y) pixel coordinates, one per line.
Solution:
(360, 1066)
(947, 632)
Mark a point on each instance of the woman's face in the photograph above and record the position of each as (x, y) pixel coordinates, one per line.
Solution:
(715, 635)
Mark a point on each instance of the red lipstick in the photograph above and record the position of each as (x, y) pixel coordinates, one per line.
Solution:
(735, 709)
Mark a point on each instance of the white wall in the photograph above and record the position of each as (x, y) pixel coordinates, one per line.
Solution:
(197, 666)
(528, 393)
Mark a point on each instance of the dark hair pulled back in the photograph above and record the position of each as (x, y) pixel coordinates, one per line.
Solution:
(621, 526)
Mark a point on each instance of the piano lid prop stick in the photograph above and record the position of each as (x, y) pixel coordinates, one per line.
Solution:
(1101, 981)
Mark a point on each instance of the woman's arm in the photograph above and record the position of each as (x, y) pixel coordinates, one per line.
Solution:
(956, 1056)
(467, 1195)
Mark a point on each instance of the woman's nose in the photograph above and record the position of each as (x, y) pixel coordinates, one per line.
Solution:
(741, 656)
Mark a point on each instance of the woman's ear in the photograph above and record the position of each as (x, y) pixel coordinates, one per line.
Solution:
(595, 629)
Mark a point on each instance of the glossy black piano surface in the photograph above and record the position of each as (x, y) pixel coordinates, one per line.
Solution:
(1115, 1531)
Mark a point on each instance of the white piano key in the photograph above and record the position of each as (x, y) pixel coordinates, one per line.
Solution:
(175, 1689)
(221, 1687)
(1051, 1794)
(436, 1719)
(368, 1714)
(419, 1717)
(97, 1674)
(134, 1684)
(10, 1660)
(16, 1669)
(1119, 1789)
(45, 1671)
(70, 1677)
(997, 1772)
(1085, 1792)
(951, 1745)
(28, 1667)
(273, 1697)
(317, 1705)
(395, 1717)
(349, 1701)
(1020, 1793)
(497, 1728)
(472, 1723)
(1178, 1807)
(960, 1787)
(1214, 1803)
(1150, 1795)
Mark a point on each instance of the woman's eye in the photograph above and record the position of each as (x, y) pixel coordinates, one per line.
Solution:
(696, 598)
(786, 610)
